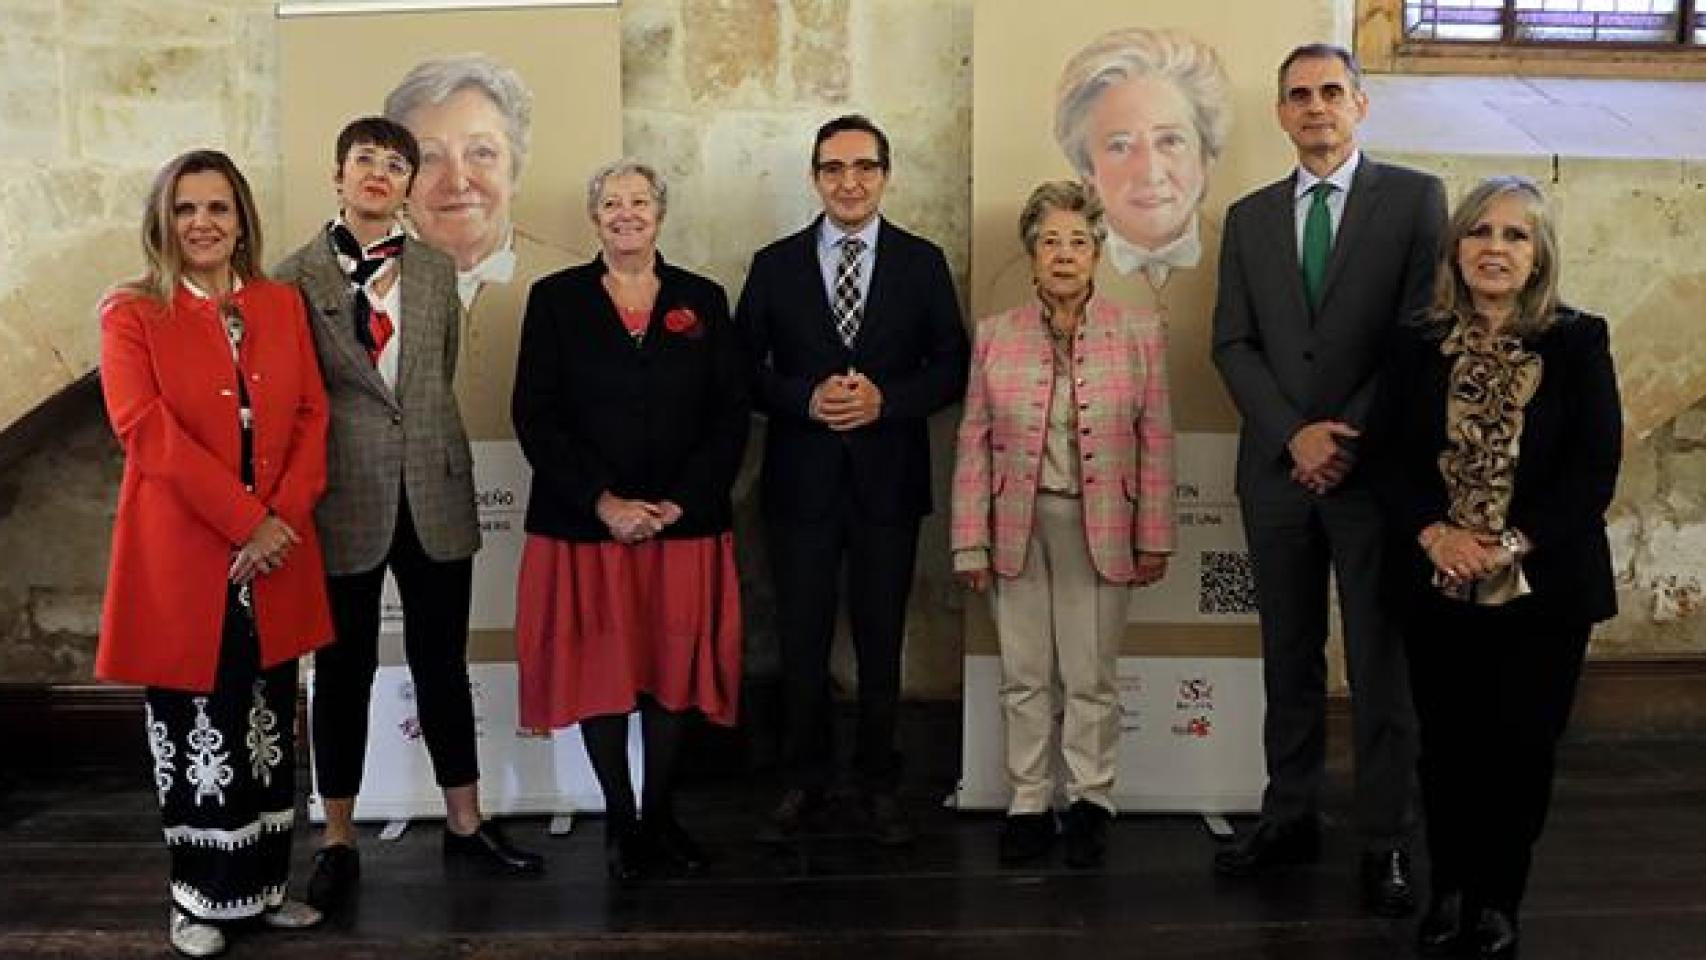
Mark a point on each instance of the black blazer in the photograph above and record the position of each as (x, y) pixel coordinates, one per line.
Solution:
(911, 344)
(1287, 365)
(1570, 450)
(663, 420)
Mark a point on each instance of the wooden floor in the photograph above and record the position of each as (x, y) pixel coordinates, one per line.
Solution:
(1621, 874)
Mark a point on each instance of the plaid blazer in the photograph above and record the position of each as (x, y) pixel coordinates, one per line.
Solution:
(384, 442)
(1125, 436)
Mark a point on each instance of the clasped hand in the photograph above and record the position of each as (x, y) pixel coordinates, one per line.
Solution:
(1463, 556)
(267, 549)
(1319, 461)
(846, 401)
(631, 521)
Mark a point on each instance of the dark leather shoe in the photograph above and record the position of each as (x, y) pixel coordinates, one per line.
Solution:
(625, 853)
(1441, 931)
(788, 820)
(1387, 888)
(1495, 935)
(489, 846)
(1025, 837)
(673, 846)
(337, 869)
(889, 824)
(1272, 844)
(1085, 837)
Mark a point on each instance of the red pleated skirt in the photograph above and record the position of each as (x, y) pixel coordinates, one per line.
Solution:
(597, 624)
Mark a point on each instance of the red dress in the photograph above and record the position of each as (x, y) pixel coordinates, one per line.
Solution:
(597, 624)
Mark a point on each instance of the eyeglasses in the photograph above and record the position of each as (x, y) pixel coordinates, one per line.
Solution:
(392, 163)
(862, 169)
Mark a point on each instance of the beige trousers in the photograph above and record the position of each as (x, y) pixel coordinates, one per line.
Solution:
(1060, 626)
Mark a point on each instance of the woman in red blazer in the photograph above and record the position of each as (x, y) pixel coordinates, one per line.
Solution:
(1063, 501)
(216, 585)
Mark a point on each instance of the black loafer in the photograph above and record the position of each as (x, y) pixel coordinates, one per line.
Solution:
(1495, 935)
(1025, 838)
(673, 846)
(1387, 889)
(625, 855)
(1441, 931)
(791, 816)
(888, 823)
(1271, 845)
(490, 847)
(1084, 839)
(337, 871)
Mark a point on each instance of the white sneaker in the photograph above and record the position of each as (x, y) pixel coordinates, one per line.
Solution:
(192, 938)
(292, 915)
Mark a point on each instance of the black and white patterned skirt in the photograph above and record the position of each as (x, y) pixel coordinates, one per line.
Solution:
(225, 771)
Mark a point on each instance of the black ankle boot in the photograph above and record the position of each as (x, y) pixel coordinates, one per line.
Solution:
(1496, 935)
(1441, 931)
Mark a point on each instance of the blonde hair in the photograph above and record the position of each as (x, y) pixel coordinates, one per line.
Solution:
(1537, 304)
(161, 250)
(1123, 55)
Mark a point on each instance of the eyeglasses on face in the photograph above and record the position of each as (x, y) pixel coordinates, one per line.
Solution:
(863, 169)
(390, 162)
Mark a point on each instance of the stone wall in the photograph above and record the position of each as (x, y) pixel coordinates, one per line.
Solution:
(723, 95)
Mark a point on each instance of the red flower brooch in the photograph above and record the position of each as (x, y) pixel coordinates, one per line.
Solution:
(683, 321)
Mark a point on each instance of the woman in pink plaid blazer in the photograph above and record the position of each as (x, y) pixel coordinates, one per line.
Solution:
(1062, 500)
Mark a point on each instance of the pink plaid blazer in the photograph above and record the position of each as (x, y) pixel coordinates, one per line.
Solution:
(1125, 436)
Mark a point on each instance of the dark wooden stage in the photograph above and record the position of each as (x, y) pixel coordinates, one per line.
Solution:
(1621, 874)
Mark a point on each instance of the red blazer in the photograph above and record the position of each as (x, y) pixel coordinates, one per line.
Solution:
(171, 394)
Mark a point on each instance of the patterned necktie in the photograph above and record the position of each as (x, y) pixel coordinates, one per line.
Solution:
(848, 309)
(360, 264)
(1317, 241)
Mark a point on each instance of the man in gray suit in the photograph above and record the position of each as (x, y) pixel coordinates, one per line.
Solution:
(1315, 271)
(399, 496)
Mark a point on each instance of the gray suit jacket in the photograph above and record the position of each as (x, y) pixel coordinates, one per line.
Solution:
(1287, 365)
(383, 443)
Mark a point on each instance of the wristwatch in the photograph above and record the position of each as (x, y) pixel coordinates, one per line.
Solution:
(1513, 542)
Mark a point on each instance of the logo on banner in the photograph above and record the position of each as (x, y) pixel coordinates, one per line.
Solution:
(1194, 705)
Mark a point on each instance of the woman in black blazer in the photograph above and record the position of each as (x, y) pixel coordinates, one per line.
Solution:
(1503, 431)
(631, 405)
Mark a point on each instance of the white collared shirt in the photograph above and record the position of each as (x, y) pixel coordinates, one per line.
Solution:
(497, 267)
(1341, 181)
(1181, 254)
(829, 237)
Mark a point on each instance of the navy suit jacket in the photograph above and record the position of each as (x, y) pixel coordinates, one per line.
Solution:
(912, 344)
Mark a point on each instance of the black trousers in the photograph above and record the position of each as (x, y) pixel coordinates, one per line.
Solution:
(436, 597)
(1294, 544)
(807, 559)
(1493, 689)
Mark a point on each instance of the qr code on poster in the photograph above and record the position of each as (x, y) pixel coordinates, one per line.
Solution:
(1227, 584)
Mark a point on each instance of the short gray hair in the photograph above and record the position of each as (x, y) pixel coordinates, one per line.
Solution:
(434, 81)
(1322, 51)
(621, 168)
(1069, 196)
(1123, 55)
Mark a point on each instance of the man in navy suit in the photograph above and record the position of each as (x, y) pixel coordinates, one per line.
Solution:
(1316, 271)
(858, 338)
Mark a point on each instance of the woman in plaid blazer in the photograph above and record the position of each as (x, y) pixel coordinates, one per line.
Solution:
(1062, 500)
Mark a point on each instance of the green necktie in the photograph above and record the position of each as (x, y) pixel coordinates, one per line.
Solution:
(1317, 241)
